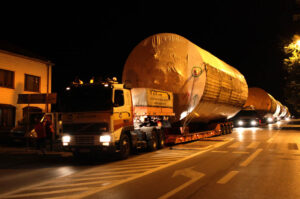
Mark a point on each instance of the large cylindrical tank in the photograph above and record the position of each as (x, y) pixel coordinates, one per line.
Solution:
(282, 110)
(261, 101)
(278, 109)
(205, 88)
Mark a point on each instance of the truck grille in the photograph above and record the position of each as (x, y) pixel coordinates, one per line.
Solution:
(85, 127)
(86, 140)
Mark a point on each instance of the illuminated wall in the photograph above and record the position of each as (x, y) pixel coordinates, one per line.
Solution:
(22, 66)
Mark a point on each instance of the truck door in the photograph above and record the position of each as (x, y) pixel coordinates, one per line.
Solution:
(122, 109)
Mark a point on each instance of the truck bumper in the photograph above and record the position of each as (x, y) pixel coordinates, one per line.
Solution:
(91, 149)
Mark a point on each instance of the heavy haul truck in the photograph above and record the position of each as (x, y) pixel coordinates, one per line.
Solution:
(266, 106)
(172, 92)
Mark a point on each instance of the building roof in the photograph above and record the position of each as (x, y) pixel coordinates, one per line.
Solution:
(8, 48)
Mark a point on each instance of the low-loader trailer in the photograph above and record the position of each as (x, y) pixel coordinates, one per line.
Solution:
(173, 91)
(123, 120)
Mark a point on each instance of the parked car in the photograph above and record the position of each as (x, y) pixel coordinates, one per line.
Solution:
(26, 128)
(17, 134)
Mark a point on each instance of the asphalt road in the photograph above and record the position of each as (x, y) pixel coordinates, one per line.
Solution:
(249, 163)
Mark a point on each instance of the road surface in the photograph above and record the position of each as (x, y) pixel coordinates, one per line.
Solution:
(249, 163)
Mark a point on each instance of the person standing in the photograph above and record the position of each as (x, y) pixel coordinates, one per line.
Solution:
(49, 130)
(41, 138)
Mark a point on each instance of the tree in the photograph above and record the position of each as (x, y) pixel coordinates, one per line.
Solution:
(292, 76)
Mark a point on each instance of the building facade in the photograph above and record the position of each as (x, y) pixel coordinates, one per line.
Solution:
(21, 75)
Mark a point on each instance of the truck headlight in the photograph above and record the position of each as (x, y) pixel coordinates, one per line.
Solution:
(105, 138)
(253, 123)
(240, 123)
(66, 139)
(270, 119)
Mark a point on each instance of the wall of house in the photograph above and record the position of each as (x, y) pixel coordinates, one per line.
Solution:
(22, 65)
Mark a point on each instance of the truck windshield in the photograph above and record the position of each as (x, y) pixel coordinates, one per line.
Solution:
(88, 98)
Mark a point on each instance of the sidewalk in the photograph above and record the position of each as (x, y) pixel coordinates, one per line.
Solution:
(22, 157)
(8, 148)
(12, 150)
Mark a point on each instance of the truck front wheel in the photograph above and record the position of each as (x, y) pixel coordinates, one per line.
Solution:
(124, 147)
(152, 144)
(161, 141)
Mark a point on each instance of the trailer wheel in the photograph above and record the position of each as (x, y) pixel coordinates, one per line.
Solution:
(152, 144)
(124, 147)
(226, 129)
(229, 129)
(223, 130)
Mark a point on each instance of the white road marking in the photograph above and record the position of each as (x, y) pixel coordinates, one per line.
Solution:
(106, 175)
(188, 172)
(99, 189)
(137, 173)
(87, 178)
(155, 158)
(253, 145)
(270, 140)
(129, 172)
(219, 151)
(173, 154)
(144, 162)
(298, 146)
(235, 145)
(251, 158)
(227, 177)
(47, 192)
(73, 185)
(128, 167)
(241, 152)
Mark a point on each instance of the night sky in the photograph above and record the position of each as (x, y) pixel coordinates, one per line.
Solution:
(95, 39)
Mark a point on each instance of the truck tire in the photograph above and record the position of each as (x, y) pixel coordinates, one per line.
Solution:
(161, 141)
(223, 130)
(227, 130)
(124, 147)
(152, 143)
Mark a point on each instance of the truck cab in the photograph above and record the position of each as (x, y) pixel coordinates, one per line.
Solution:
(97, 118)
(103, 117)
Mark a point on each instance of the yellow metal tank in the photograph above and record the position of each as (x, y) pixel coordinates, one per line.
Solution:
(261, 101)
(280, 114)
(205, 88)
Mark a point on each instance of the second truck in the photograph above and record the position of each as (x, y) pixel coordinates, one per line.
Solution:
(173, 91)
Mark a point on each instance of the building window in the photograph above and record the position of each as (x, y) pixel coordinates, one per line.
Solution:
(7, 78)
(7, 116)
(32, 83)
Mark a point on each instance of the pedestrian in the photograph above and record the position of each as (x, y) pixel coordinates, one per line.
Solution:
(41, 138)
(49, 130)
